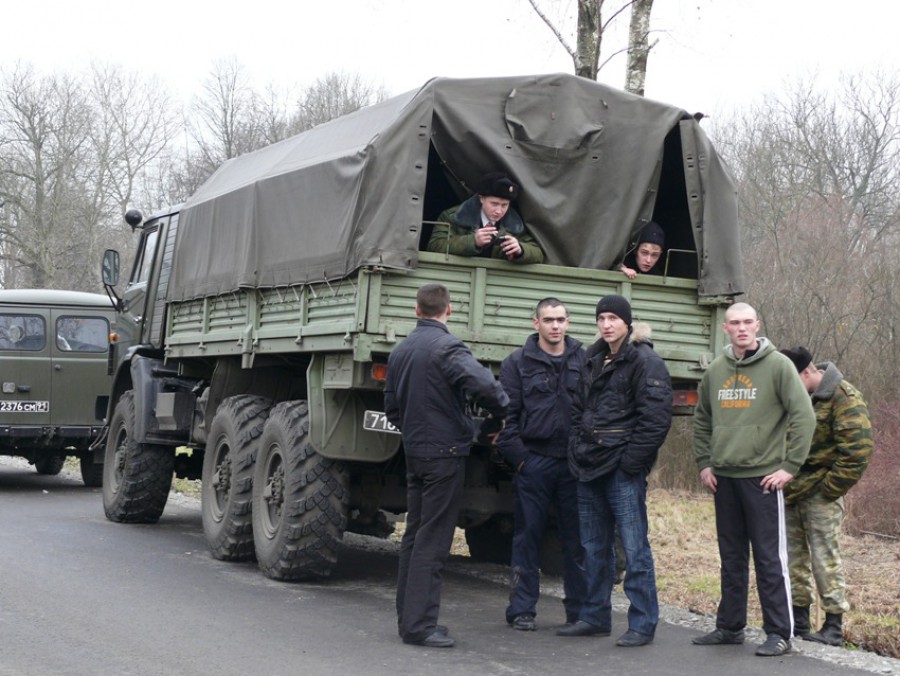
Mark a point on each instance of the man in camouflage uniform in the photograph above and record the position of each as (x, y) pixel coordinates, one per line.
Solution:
(839, 453)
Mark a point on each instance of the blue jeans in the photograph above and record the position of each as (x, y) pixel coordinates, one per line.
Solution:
(617, 500)
(542, 483)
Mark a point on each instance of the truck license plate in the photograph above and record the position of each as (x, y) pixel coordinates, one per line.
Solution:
(377, 422)
(24, 406)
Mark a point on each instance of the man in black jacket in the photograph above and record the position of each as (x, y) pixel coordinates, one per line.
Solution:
(430, 377)
(541, 379)
(619, 423)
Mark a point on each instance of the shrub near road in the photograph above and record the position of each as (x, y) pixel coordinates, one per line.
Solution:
(683, 536)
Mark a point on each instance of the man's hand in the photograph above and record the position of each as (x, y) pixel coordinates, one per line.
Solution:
(708, 479)
(776, 480)
(483, 236)
(628, 272)
(493, 436)
(511, 247)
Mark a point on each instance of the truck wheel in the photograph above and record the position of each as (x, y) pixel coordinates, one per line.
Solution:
(227, 486)
(136, 477)
(91, 472)
(51, 465)
(491, 541)
(300, 499)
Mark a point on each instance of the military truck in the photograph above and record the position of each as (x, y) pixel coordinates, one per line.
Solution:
(56, 372)
(259, 316)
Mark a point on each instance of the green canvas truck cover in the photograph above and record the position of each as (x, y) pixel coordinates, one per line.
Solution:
(351, 192)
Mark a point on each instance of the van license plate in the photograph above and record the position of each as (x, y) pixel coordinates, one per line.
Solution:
(24, 406)
(377, 421)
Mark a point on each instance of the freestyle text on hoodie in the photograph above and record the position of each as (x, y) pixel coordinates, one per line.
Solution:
(745, 409)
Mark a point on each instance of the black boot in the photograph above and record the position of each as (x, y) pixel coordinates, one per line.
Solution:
(801, 621)
(831, 632)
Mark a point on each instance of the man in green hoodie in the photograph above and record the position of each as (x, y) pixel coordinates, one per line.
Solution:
(749, 397)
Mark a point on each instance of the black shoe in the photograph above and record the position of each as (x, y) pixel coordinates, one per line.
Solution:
(774, 646)
(435, 639)
(443, 628)
(582, 629)
(831, 632)
(632, 639)
(524, 622)
(720, 637)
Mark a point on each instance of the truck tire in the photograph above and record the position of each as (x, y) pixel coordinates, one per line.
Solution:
(227, 480)
(491, 541)
(51, 465)
(300, 499)
(91, 472)
(136, 477)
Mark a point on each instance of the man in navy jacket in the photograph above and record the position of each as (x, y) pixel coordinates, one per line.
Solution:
(431, 376)
(541, 379)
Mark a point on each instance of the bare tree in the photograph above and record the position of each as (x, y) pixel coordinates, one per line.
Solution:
(819, 187)
(590, 28)
(44, 173)
(331, 96)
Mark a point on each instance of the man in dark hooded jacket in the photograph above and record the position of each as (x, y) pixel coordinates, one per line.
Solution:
(620, 420)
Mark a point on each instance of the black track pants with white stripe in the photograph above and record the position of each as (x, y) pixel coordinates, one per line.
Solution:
(748, 515)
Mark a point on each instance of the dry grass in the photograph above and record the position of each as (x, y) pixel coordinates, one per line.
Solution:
(683, 536)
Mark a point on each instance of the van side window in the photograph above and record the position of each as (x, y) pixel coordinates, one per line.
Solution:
(82, 334)
(22, 332)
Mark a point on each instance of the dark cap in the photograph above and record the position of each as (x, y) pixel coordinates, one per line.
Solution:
(497, 184)
(618, 305)
(652, 233)
(799, 355)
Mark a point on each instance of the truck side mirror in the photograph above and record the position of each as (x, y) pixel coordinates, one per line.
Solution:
(110, 269)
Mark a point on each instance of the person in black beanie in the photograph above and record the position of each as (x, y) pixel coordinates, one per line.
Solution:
(646, 256)
(621, 417)
(485, 225)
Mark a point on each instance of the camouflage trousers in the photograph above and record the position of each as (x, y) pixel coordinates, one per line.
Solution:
(814, 552)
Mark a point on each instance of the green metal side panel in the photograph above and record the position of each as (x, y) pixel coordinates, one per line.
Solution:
(492, 301)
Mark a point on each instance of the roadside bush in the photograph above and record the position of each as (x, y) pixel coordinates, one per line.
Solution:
(676, 470)
(873, 505)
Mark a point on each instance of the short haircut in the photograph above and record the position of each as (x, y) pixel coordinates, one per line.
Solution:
(550, 301)
(741, 307)
(432, 300)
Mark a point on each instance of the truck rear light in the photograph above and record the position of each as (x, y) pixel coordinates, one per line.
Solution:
(379, 372)
(684, 397)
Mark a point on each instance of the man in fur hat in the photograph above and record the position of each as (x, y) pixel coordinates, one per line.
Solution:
(485, 225)
(841, 448)
(621, 417)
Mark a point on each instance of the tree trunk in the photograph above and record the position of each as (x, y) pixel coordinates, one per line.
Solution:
(638, 46)
(589, 37)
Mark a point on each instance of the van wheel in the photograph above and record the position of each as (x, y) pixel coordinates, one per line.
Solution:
(136, 477)
(227, 486)
(51, 465)
(300, 499)
(91, 472)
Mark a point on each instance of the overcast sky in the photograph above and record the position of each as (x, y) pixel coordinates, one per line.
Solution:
(713, 56)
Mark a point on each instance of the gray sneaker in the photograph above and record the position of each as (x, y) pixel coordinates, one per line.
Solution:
(720, 637)
(774, 646)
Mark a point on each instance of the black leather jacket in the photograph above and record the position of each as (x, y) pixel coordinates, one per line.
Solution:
(623, 413)
(431, 375)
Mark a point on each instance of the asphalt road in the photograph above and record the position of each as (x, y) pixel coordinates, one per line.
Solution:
(82, 595)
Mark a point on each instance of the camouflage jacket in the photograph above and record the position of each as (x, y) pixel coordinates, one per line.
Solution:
(842, 444)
